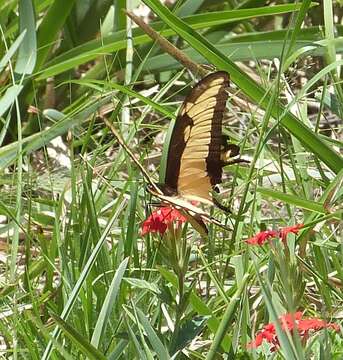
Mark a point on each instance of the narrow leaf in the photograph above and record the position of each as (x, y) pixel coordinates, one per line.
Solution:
(28, 48)
(109, 302)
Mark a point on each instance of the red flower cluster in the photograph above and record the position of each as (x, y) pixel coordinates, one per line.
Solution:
(290, 322)
(160, 219)
(261, 237)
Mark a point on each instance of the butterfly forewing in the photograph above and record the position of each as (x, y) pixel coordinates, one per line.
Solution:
(194, 163)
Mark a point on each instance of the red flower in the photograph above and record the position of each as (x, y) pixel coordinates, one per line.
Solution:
(289, 229)
(160, 219)
(287, 320)
(290, 322)
(261, 237)
(316, 324)
(269, 333)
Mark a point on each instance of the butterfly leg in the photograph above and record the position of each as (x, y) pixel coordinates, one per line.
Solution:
(218, 204)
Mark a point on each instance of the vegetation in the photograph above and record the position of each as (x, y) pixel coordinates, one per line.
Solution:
(89, 269)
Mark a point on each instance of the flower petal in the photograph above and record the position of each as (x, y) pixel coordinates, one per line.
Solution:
(261, 237)
(294, 229)
(290, 322)
(160, 219)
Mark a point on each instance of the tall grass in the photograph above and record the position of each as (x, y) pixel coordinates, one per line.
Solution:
(78, 279)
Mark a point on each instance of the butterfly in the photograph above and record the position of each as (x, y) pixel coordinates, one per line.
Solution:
(197, 152)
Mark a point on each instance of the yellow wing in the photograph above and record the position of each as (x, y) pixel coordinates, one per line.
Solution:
(194, 163)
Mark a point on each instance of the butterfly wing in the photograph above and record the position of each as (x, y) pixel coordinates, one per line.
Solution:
(194, 162)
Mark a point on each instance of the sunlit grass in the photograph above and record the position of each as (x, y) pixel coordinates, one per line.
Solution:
(78, 279)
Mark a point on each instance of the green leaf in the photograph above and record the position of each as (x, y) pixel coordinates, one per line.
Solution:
(226, 321)
(80, 282)
(240, 51)
(330, 101)
(108, 304)
(164, 110)
(293, 200)
(11, 51)
(272, 306)
(51, 25)
(155, 342)
(8, 99)
(143, 284)
(117, 41)
(63, 123)
(79, 340)
(28, 48)
(189, 331)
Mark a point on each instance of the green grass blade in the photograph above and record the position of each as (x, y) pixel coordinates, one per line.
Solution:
(226, 321)
(51, 25)
(108, 304)
(306, 4)
(114, 42)
(293, 200)
(164, 110)
(62, 125)
(189, 7)
(11, 51)
(28, 49)
(9, 98)
(136, 344)
(154, 340)
(243, 51)
(80, 282)
(331, 51)
(79, 340)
